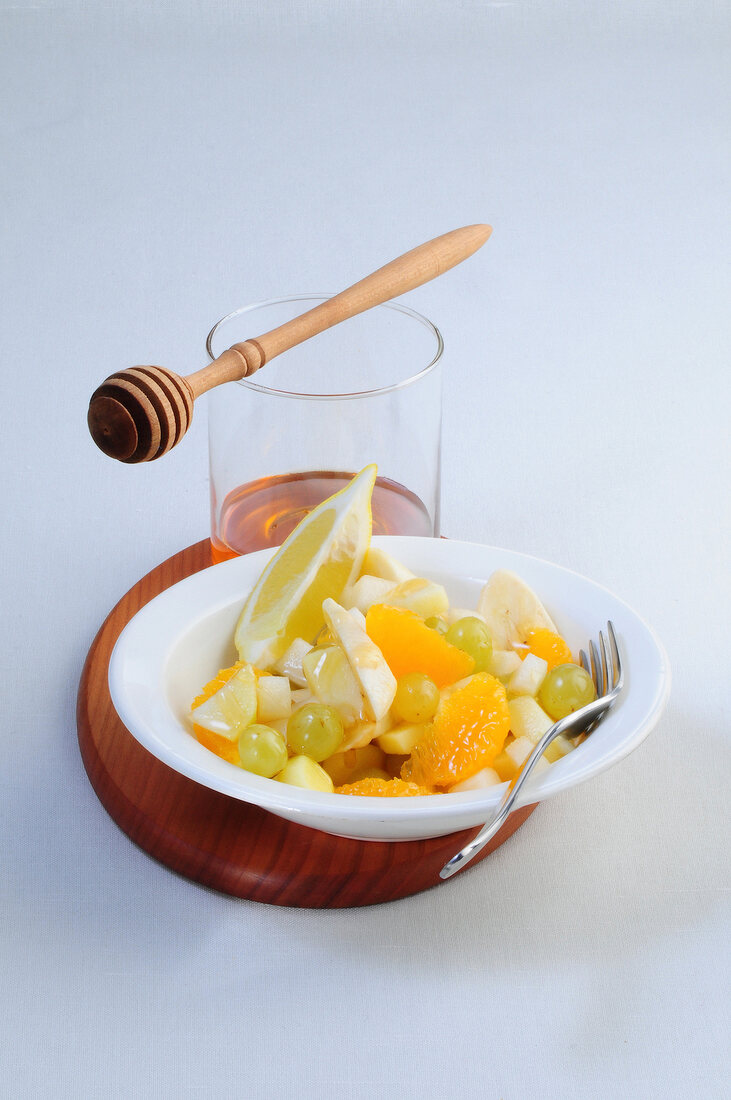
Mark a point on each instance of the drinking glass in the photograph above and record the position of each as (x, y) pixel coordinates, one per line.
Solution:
(366, 390)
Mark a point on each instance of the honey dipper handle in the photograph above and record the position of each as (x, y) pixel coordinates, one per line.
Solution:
(414, 268)
(136, 415)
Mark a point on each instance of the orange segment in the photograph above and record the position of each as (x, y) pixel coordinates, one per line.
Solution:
(228, 750)
(467, 734)
(382, 788)
(409, 645)
(551, 647)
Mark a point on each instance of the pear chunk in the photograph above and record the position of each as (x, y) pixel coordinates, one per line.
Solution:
(377, 682)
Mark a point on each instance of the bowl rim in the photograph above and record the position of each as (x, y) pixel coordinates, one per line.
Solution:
(230, 780)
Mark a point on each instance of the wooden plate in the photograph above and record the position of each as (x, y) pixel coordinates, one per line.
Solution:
(220, 841)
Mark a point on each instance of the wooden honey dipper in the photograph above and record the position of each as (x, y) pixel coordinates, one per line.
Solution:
(139, 414)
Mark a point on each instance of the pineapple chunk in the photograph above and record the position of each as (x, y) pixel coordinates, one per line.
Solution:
(343, 765)
(377, 563)
(366, 591)
(401, 740)
(488, 777)
(527, 679)
(301, 771)
(527, 719)
(290, 664)
(420, 595)
(273, 698)
(503, 662)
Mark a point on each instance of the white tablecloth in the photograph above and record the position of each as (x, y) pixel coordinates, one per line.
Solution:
(163, 164)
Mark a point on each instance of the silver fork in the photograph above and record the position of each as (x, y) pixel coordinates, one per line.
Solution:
(604, 665)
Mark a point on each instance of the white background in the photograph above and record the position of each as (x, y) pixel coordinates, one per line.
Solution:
(162, 164)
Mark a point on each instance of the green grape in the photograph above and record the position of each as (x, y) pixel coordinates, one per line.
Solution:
(566, 688)
(416, 698)
(435, 623)
(262, 750)
(315, 730)
(471, 635)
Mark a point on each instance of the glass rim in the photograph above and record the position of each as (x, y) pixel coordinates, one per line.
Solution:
(353, 394)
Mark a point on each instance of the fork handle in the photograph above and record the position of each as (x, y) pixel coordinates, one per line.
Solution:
(488, 831)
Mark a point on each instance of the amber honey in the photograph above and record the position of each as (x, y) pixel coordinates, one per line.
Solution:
(262, 513)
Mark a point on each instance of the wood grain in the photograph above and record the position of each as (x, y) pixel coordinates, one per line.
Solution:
(217, 840)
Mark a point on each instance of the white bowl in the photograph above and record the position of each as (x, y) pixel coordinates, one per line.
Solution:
(179, 640)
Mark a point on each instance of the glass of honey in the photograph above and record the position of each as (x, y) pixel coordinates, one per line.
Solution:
(366, 390)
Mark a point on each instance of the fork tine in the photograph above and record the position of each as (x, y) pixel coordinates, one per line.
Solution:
(607, 668)
(616, 659)
(584, 661)
(596, 673)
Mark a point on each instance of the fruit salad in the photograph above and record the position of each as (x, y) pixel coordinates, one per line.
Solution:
(357, 677)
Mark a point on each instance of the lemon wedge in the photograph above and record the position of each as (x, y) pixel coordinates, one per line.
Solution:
(322, 555)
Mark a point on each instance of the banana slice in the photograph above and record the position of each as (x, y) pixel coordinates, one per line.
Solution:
(375, 678)
(510, 608)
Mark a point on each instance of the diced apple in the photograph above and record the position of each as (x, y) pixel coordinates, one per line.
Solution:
(401, 739)
(290, 664)
(378, 563)
(503, 663)
(488, 777)
(520, 749)
(560, 746)
(342, 765)
(527, 719)
(504, 765)
(420, 595)
(362, 733)
(301, 771)
(527, 679)
(300, 696)
(273, 698)
(366, 591)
